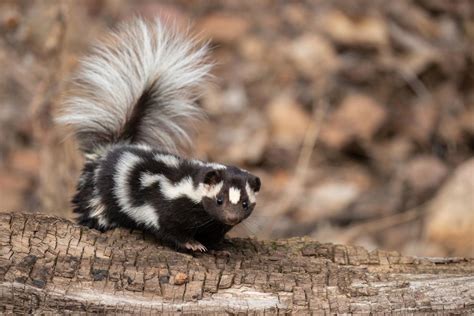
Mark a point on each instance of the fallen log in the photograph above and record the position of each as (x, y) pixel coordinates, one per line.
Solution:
(50, 265)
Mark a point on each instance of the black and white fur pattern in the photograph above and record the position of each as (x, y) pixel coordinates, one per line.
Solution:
(138, 85)
(132, 107)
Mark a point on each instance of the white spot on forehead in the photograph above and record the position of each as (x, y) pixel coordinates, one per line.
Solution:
(251, 194)
(234, 195)
(168, 160)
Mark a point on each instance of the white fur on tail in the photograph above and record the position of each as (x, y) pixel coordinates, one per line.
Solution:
(141, 61)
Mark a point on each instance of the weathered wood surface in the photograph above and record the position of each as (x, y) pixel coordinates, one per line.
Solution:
(49, 264)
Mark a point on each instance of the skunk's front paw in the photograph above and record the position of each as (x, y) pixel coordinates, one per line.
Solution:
(194, 245)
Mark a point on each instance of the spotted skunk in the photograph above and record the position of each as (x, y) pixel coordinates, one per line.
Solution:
(132, 105)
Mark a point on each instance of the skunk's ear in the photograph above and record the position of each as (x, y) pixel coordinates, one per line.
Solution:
(213, 177)
(255, 183)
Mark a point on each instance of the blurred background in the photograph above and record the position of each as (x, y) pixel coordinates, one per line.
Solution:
(357, 115)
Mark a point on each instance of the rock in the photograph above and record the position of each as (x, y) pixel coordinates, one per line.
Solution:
(312, 55)
(223, 27)
(357, 118)
(180, 278)
(424, 174)
(450, 220)
(360, 31)
(288, 121)
(327, 200)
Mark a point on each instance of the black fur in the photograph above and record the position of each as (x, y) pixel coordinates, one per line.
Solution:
(181, 219)
(149, 98)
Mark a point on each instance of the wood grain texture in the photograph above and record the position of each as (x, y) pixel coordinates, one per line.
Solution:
(49, 264)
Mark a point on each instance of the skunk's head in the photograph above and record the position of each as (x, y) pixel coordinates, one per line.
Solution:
(230, 194)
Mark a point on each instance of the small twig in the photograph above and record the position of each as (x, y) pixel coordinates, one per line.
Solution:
(380, 224)
(309, 142)
(295, 186)
(415, 83)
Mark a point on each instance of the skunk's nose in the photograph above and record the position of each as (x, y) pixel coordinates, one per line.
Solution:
(232, 219)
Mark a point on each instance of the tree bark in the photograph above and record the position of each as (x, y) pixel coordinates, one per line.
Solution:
(49, 264)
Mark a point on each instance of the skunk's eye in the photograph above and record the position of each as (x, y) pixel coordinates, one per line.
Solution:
(220, 201)
(245, 204)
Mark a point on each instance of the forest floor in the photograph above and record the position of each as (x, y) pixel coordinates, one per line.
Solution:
(357, 115)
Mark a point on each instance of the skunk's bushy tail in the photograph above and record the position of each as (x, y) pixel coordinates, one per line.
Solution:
(139, 86)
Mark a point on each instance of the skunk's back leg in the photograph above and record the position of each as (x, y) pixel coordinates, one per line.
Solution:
(91, 223)
(87, 202)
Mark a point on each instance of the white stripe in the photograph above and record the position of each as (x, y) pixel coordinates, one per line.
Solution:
(97, 206)
(92, 156)
(169, 160)
(251, 194)
(213, 165)
(234, 195)
(184, 188)
(95, 203)
(216, 166)
(144, 147)
(198, 162)
(98, 209)
(103, 222)
(144, 214)
(147, 179)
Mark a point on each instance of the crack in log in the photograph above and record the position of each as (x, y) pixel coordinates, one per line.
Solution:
(50, 265)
